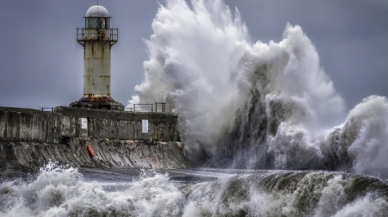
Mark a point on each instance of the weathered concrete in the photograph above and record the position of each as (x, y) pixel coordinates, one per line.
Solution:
(29, 156)
(30, 125)
(29, 138)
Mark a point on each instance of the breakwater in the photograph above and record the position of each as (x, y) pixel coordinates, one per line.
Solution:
(30, 138)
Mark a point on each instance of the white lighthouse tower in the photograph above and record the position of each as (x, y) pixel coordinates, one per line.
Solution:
(97, 38)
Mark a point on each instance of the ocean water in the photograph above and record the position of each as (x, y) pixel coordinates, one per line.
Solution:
(254, 105)
(64, 191)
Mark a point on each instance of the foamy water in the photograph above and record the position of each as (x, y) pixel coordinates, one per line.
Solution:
(63, 192)
(58, 191)
(252, 104)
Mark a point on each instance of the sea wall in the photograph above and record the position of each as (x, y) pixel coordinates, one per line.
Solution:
(30, 125)
(30, 138)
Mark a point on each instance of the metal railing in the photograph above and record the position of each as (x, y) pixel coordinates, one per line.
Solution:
(143, 107)
(47, 108)
(157, 107)
(111, 35)
(161, 106)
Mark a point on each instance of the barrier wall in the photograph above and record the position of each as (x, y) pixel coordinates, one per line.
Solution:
(29, 125)
(29, 138)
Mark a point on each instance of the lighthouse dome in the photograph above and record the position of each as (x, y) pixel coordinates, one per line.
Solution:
(97, 11)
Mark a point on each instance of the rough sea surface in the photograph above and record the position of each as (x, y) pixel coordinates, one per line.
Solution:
(251, 104)
(58, 191)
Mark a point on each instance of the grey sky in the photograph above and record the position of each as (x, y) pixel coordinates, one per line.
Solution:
(41, 64)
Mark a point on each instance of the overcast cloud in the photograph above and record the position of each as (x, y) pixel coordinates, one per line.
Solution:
(41, 64)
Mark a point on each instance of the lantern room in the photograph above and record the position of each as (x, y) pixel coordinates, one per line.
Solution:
(97, 17)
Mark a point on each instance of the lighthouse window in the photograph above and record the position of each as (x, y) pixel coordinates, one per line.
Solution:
(107, 23)
(91, 23)
(103, 24)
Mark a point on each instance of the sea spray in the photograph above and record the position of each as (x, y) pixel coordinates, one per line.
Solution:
(282, 193)
(362, 141)
(253, 105)
(60, 191)
(193, 66)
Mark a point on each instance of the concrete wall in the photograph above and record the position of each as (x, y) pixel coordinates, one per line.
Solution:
(30, 156)
(30, 125)
(30, 138)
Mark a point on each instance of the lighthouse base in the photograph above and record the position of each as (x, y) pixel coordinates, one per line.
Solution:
(115, 106)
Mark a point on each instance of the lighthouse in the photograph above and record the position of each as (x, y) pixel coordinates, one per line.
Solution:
(97, 39)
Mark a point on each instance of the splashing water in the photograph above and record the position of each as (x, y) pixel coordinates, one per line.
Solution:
(58, 191)
(254, 105)
(363, 137)
(62, 192)
(193, 66)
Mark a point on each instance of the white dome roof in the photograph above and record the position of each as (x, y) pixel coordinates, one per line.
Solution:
(97, 11)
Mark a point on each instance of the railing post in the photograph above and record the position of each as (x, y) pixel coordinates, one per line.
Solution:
(134, 107)
(156, 107)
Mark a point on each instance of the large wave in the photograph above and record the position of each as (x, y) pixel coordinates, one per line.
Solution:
(58, 191)
(259, 105)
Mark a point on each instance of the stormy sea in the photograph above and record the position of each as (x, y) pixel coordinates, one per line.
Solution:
(262, 122)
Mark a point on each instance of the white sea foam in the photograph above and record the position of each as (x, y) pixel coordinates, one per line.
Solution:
(203, 64)
(58, 191)
(194, 56)
(366, 206)
(62, 192)
(365, 134)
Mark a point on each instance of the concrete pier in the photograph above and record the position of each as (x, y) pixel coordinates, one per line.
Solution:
(30, 138)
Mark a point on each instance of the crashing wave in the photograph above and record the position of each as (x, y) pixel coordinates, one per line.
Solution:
(59, 191)
(254, 105)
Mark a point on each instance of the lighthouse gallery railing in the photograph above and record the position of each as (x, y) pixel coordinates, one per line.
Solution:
(111, 35)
